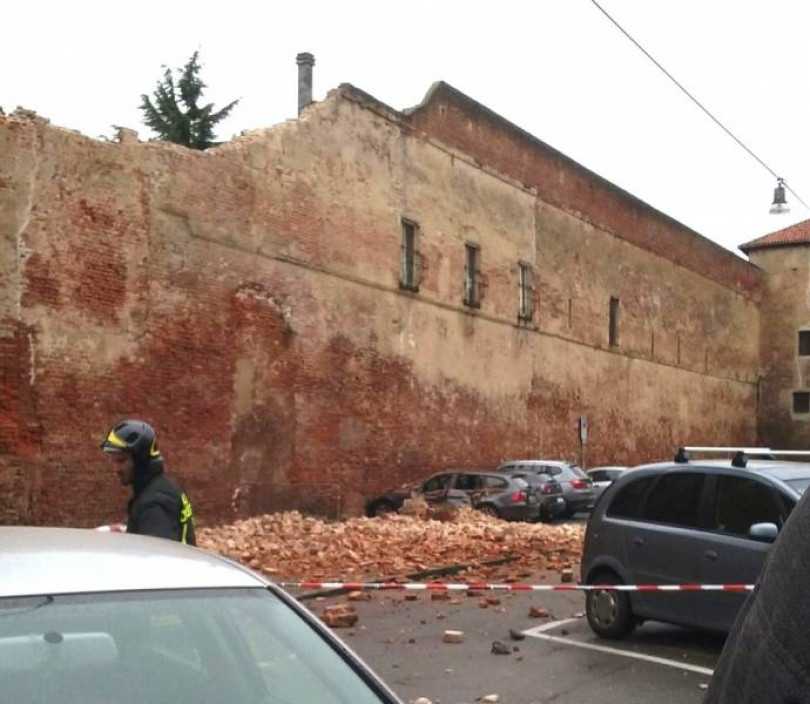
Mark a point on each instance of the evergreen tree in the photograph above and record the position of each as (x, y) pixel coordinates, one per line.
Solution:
(173, 112)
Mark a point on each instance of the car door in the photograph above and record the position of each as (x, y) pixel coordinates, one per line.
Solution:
(663, 546)
(728, 555)
(464, 489)
(435, 489)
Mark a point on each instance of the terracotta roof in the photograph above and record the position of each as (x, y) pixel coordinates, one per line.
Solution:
(795, 234)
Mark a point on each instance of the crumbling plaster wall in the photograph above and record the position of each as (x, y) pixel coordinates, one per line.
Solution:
(245, 300)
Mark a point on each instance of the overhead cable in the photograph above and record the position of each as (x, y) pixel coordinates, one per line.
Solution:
(696, 101)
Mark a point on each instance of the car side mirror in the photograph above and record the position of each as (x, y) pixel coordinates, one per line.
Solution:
(763, 532)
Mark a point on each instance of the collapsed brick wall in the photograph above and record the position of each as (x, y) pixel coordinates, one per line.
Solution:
(245, 301)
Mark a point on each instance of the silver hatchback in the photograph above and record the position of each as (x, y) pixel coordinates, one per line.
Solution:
(96, 618)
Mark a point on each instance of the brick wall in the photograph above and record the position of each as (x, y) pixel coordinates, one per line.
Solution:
(245, 301)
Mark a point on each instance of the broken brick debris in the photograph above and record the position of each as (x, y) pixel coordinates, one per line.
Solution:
(307, 548)
(538, 612)
(339, 616)
(453, 637)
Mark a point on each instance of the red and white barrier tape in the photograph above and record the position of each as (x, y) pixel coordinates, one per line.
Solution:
(517, 587)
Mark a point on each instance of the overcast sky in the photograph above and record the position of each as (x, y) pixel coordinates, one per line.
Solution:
(557, 68)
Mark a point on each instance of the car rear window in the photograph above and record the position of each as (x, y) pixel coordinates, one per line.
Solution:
(675, 499)
(501, 483)
(578, 471)
(627, 501)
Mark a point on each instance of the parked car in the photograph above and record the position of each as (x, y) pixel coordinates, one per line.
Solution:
(508, 496)
(603, 477)
(685, 522)
(577, 487)
(92, 618)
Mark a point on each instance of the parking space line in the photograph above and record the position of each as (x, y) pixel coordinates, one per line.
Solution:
(541, 633)
(548, 626)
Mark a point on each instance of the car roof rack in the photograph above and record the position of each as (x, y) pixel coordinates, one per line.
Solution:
(741, 454)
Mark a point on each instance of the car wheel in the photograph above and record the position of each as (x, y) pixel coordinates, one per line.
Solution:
(381, 508)
(608, 611)
(489, 510)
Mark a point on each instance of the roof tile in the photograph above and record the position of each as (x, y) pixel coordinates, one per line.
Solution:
(795, 234)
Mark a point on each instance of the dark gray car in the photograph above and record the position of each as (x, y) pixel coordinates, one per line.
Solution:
(577, 487)
(508, 496)
(687, 522)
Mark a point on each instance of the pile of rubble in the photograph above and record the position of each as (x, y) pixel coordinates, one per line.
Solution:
(296, 547)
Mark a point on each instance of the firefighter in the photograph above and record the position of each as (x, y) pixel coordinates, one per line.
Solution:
(158, 507)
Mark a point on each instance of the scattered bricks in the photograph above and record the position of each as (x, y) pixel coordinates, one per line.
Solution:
(453, 637)
(483, 604)
(359, 549)
(455, 602)
(567, 575)
(440, 596)
(538, 612)
(493, 601)
(359, 596)
(476, 593)
(411, 597)
(339, 616)
(516, 635)
(499, 648)
(440, 616)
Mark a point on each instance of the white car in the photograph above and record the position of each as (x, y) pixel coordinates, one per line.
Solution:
(88, 617)
(603, 477)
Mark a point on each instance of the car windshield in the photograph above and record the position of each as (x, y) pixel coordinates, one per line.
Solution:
(213, 646)
(800, 485)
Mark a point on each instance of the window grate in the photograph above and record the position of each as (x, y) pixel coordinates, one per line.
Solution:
(472, 276)
(525, 292)
(804, 343)
(801, 401)
(410, 260)
(613, 323)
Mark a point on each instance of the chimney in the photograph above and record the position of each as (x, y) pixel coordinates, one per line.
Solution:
(305, 63)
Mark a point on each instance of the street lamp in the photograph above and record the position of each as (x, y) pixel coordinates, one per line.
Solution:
(779, 205)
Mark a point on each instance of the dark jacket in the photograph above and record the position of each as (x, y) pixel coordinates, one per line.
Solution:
(159, 507)
(766, 658)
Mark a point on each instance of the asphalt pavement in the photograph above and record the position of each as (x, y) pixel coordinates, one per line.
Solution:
(558, 659)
